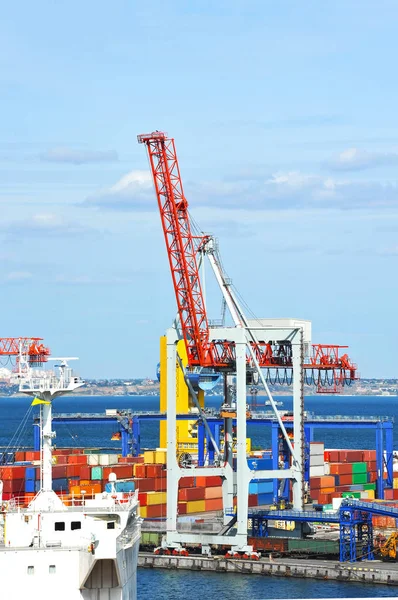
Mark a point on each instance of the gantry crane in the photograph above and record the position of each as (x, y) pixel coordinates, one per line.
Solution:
(247, 348)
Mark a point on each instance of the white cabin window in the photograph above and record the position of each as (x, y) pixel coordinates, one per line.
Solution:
(52, 569)
(59, 526)
(31, 570)
(76, 525)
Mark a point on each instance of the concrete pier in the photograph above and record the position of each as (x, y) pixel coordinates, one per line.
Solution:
(364, 572)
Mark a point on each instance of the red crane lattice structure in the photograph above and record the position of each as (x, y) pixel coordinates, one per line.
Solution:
(36, 352)
(182, 248)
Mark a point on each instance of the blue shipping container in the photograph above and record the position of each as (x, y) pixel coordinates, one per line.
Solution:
(265, 487)
(30, 473)
(121, 486)
(60, 485)
(265, 499)
(29, 485)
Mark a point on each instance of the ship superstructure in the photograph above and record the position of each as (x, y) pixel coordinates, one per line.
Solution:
(79, 548)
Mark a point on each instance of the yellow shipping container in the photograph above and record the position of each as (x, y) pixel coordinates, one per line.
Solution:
(395, 483)
(195, 506)
(371, 494)
(143, 512)
(155, 498)
(149, 457)
(160, 457)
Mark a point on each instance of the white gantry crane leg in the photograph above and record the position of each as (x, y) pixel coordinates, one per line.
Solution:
(298, 419)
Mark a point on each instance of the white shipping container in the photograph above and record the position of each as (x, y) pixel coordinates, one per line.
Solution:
(327, 469)
(93, 460)
(317, 448)
(318, 471)
(336, 502)
(108, 459)
(316, 461)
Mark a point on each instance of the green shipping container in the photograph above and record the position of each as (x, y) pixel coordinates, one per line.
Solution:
(359, 467)
(359, 478)
(96, 473)
(369, 486)
(314, 546)
(351, 495)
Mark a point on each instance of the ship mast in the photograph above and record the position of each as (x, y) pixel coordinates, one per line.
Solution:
(45, 386)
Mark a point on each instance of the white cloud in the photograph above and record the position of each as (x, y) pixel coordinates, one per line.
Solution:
(78, 157)
(48, 224)
(353, 159)
(19, 276)
(133, 191)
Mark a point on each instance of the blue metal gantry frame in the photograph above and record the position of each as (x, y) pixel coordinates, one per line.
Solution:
(129, 426)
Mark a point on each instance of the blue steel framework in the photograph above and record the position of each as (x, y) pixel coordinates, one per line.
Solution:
(129, 425)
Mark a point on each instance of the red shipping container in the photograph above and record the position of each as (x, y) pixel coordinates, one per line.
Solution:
(12, 472)
(139, 471)
(345, 479)
(155, 511)
(340, 468)
(77, 459)
(334, 456)
(142, 498)
(395, 494)
(145, 485)
(85, 472)
(187, 482)
(32, 455)
(351, 456)
(389, 494)
(182, 508)
(326, 456)
(372, 477)
(253, 500)
(371, 466)
(369, 455)
(155, 471)
(213, 481)
(160, 484)
(19, 456)
(187, 494)
(213, 504)
(324, 499)
(59, 471)
(395, 474)
(13, 486)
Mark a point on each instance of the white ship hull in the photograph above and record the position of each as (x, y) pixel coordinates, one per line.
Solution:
(94, 562)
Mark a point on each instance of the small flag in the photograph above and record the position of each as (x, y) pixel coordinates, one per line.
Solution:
(116, 436)
(37, 401)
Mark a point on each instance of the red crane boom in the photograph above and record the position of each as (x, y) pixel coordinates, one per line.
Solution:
(181, 250)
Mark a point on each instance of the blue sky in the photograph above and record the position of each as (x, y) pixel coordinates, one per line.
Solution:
(285, 120)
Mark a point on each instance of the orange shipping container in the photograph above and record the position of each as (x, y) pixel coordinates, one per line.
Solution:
(213, 492)
(213, 504)
(328, 490)
(213, 481)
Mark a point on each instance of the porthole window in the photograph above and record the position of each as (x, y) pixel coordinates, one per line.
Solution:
(59, 526)
(110, 525)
